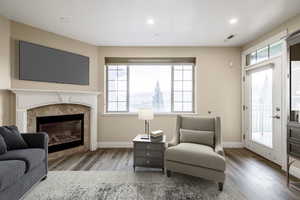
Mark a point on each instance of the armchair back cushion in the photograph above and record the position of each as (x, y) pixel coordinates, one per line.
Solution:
(198, 123)
(197, 137)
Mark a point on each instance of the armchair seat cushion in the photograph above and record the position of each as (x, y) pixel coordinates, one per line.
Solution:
(32, 157)
(10, 172)
(196, 155)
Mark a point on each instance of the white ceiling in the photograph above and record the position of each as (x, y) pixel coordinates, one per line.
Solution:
(177, 22)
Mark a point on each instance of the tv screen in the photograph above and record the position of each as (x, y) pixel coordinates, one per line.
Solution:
(39, 63)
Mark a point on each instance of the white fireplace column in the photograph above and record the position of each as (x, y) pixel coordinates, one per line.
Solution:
(27, 99)
(21, 120)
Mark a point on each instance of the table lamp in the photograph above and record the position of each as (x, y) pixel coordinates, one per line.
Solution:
(146, 114)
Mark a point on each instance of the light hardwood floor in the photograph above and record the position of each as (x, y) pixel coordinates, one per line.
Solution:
(257, 178)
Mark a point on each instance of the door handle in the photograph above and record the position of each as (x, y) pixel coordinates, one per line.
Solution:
(276, 116)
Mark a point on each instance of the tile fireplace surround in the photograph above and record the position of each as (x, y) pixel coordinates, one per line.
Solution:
(27, 99)
(67, 125)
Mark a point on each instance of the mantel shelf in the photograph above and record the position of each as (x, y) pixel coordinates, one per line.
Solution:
(17, 90)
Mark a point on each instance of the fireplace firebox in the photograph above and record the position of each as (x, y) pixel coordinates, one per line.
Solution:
(64, 131)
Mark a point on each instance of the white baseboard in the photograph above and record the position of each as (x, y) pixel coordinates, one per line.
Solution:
(233, 145)
(130, 145)
(115, 144)
(295, 171)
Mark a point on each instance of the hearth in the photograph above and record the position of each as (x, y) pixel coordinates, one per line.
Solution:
(64, 131)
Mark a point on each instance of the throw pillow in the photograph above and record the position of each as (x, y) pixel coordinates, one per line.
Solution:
(12, 138)
(3, 148)
(198, 137)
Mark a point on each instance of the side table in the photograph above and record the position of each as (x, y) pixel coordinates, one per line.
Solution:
(147, 153)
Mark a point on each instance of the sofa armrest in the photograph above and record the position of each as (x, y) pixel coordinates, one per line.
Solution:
(36, 140)
(219, 150)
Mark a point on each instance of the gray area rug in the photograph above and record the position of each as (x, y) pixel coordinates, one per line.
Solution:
(122, 185)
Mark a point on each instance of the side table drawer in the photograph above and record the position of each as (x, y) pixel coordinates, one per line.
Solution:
(148, 153)
(294, 149)
(150, 146)
(294, 133)
(148, 162)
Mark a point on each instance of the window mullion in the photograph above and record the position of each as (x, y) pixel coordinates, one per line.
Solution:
(106, 91)
(128, 86)
(117, 88)
(172, 88)
(182, 76)
(193, 89)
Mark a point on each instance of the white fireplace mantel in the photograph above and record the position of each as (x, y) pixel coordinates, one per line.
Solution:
(30, 98)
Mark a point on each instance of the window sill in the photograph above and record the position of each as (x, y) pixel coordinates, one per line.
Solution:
(108, 114)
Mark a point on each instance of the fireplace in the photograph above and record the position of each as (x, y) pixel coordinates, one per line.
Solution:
(64, 131)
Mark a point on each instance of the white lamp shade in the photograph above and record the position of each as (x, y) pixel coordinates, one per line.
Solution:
(145, 114)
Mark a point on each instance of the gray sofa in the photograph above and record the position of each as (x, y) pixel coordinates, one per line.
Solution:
(20, 169)
(196, 149)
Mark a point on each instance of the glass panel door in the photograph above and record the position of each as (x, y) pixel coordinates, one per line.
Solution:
(263, 110)
(261, 107)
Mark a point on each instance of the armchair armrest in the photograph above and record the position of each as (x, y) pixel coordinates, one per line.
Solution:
(219, 150)
(36, 140)
(175, 139)
(172, 143)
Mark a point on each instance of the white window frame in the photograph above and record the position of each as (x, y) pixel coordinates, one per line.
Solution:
(127, 112)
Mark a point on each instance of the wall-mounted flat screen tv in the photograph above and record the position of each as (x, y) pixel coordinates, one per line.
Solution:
(39, 63)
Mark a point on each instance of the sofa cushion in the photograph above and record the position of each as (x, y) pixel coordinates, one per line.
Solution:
(32, 157)
(12, 138)
(3, 148)
(10, 172)
(198, 123)
(196, 155)
(198, 137)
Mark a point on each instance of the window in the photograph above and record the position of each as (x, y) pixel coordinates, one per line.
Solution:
(265, 53)
(251, 58)
(262, 54)
(275, 49)
(163, 87)
(183, 88)
(150, 87)
(117, 88)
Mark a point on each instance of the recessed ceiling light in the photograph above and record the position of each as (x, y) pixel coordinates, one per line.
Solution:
(150, 21)
(233, 21)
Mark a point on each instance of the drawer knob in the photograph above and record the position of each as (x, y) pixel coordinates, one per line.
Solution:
(148, 154)
(148, 161)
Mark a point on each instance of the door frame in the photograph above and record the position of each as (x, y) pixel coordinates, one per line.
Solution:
(284, 89)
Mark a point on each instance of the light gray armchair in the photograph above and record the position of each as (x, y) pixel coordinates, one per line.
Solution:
(196, 149)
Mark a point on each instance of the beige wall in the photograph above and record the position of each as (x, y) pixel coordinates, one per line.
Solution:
(11, 32)
(4, 53)
(38, 36)
(217, 89)
(218, 86)
(5, 117)
(6, 108)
